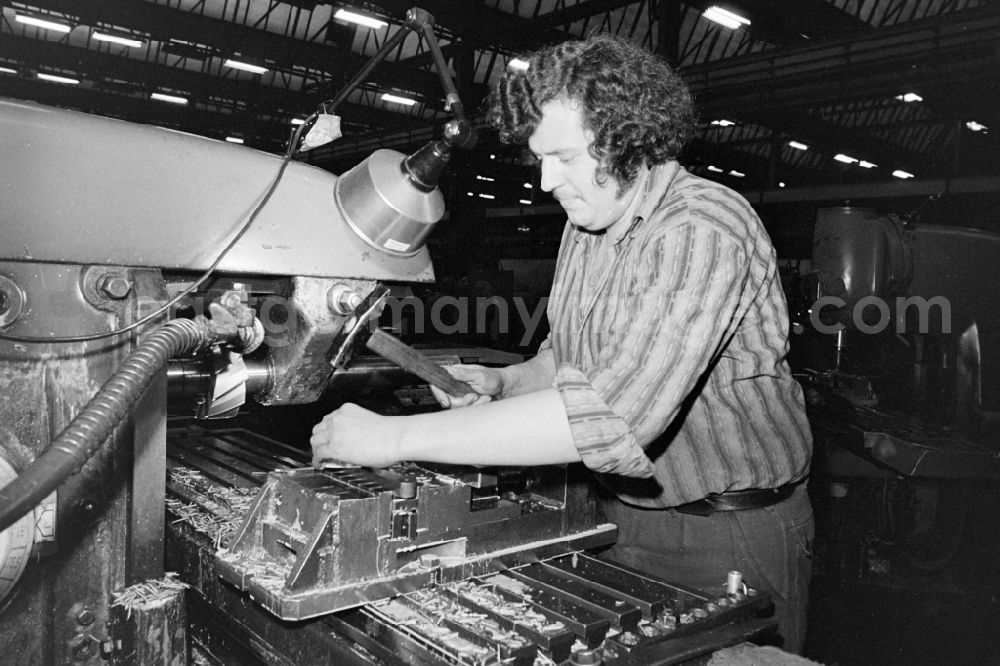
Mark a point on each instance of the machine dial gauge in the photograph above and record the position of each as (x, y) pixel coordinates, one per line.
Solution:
(15, 541)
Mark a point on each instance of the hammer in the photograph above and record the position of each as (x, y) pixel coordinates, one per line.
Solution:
(412, 360)
(389, 348)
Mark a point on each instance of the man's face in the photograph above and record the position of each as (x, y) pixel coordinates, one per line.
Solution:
(560, 143)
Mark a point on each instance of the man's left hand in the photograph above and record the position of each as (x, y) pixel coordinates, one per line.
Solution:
(352, 434)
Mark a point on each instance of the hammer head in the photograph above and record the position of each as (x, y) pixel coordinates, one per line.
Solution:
(358, 329)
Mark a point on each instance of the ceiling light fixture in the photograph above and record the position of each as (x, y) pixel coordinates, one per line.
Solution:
(405, 101)
(846, 159)
(722, 122)
(976, 127)
(909, 97)
(115, 39)
(526, 202)
(797, 146)
(899, 173)
(359, 19)
(781, 184)
(297, 121)
(864, 164)
(738, 174)
(234, 139)
(528, 186)
(486, 196)
(725, 18)
(7, 70)
(57, 79)
(714, 168)
(173, 99)
(518, 64)
(486, 178)
(244, 66)
(42, 23)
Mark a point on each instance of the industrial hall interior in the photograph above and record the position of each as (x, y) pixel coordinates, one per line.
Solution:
(499, 332)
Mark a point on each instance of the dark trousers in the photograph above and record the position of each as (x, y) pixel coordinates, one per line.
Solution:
(771, 546)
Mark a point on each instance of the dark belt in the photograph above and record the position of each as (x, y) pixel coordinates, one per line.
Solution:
(738, 500)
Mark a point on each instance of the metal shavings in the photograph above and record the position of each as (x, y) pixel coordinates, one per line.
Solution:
(519, 612)
(220, 527)
(148, 593)
(441, 607)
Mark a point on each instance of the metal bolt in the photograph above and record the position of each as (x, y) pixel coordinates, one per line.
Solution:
(231, 300)
(85, 617)
(343, 300)
(114, 286)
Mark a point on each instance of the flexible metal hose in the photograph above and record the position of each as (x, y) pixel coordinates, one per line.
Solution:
(112, 403)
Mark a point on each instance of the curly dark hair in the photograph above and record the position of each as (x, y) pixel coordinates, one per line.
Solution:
(638, 108)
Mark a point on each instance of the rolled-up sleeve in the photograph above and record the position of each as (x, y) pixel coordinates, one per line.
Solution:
(653, 333)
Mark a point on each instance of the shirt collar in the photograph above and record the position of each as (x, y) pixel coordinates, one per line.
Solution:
(659, 180)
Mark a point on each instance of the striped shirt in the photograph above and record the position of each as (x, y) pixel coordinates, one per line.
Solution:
(670, 357)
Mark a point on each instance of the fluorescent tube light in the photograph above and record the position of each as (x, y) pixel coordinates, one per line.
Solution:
(526, 202)
(42, 23)
(244, 66)
(359, 19)
(738, 174)
(518, 64)
(298, 121)
(405, 101)
(714, 168)
(486, 178)
(528, 186)
(115, 39)
(57, 79)
(725, 17)
(846, 159)
(781, 184)
(975, 127)
(864, 164)
(486, 196)
(899, 173)
(173, 99)
(234, 139)
(797, 146)
(722, 122)
(909, 97)
(7, 70)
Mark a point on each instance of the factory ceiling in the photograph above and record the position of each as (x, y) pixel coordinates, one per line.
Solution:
(803, 94)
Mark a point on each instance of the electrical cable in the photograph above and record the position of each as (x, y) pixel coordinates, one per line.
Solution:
(286, 160)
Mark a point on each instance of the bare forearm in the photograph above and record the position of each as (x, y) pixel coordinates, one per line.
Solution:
(529, 429)
(535, 374)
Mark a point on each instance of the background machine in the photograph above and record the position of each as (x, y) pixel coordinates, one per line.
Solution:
(143, 268)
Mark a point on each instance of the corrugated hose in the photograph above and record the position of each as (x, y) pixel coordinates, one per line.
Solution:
(75, 445)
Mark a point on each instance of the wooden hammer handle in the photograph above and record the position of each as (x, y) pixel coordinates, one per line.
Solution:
(414, 361)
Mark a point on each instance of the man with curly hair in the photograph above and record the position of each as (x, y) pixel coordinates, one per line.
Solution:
(665, 369)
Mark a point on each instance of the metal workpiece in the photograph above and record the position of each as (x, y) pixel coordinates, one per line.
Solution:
(523, 603)
(319, 542)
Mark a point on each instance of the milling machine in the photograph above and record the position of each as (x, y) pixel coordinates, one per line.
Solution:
(900, 357)
(144, 269)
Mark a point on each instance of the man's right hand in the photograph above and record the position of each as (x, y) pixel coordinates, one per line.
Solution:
(486, 382)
